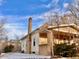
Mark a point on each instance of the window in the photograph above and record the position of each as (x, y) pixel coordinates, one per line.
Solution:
(71, 37)
(34, 42)
(33, 52)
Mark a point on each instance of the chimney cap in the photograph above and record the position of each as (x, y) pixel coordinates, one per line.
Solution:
(30, 18)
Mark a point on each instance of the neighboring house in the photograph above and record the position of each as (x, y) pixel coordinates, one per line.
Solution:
(42, 40)
(4, 43)
(16, 44)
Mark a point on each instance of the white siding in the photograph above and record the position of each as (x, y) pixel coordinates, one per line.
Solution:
(36, 47)
(23, 45)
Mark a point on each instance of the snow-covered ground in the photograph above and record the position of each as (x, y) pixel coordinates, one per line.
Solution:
(22, 56)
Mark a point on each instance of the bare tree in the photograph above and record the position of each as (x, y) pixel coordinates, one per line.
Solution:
(18, 44)
(2, 29)
(74, 9)
(53, 18)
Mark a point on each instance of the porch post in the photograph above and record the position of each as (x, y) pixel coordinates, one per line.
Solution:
(50, 42)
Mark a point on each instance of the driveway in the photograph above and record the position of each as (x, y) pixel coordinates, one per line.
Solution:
(22, 56)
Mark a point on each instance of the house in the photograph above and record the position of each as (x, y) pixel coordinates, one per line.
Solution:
(16, 44)
(3, 43)
(42, 40)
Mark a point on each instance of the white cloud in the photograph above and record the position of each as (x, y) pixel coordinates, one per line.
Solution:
(11, 18)
(53, 3)
(45, 16)
(66, 5)
(14, 25)
(14, 29)
(46, 5)
(12, 34)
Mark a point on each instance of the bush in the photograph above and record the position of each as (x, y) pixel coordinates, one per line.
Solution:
(65, 50)
(8, 48)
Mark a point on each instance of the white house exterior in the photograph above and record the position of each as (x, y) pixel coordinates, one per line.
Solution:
(35, 43)
(23, 45)
(42, 40)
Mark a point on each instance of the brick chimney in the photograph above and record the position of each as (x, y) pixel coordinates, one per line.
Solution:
(29, 31)
(30, 25)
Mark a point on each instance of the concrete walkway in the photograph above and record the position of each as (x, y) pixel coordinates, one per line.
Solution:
(23, 56)
(28, 56)
(67, 58)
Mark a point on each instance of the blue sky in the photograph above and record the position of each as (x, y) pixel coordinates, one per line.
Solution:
(17, 12)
